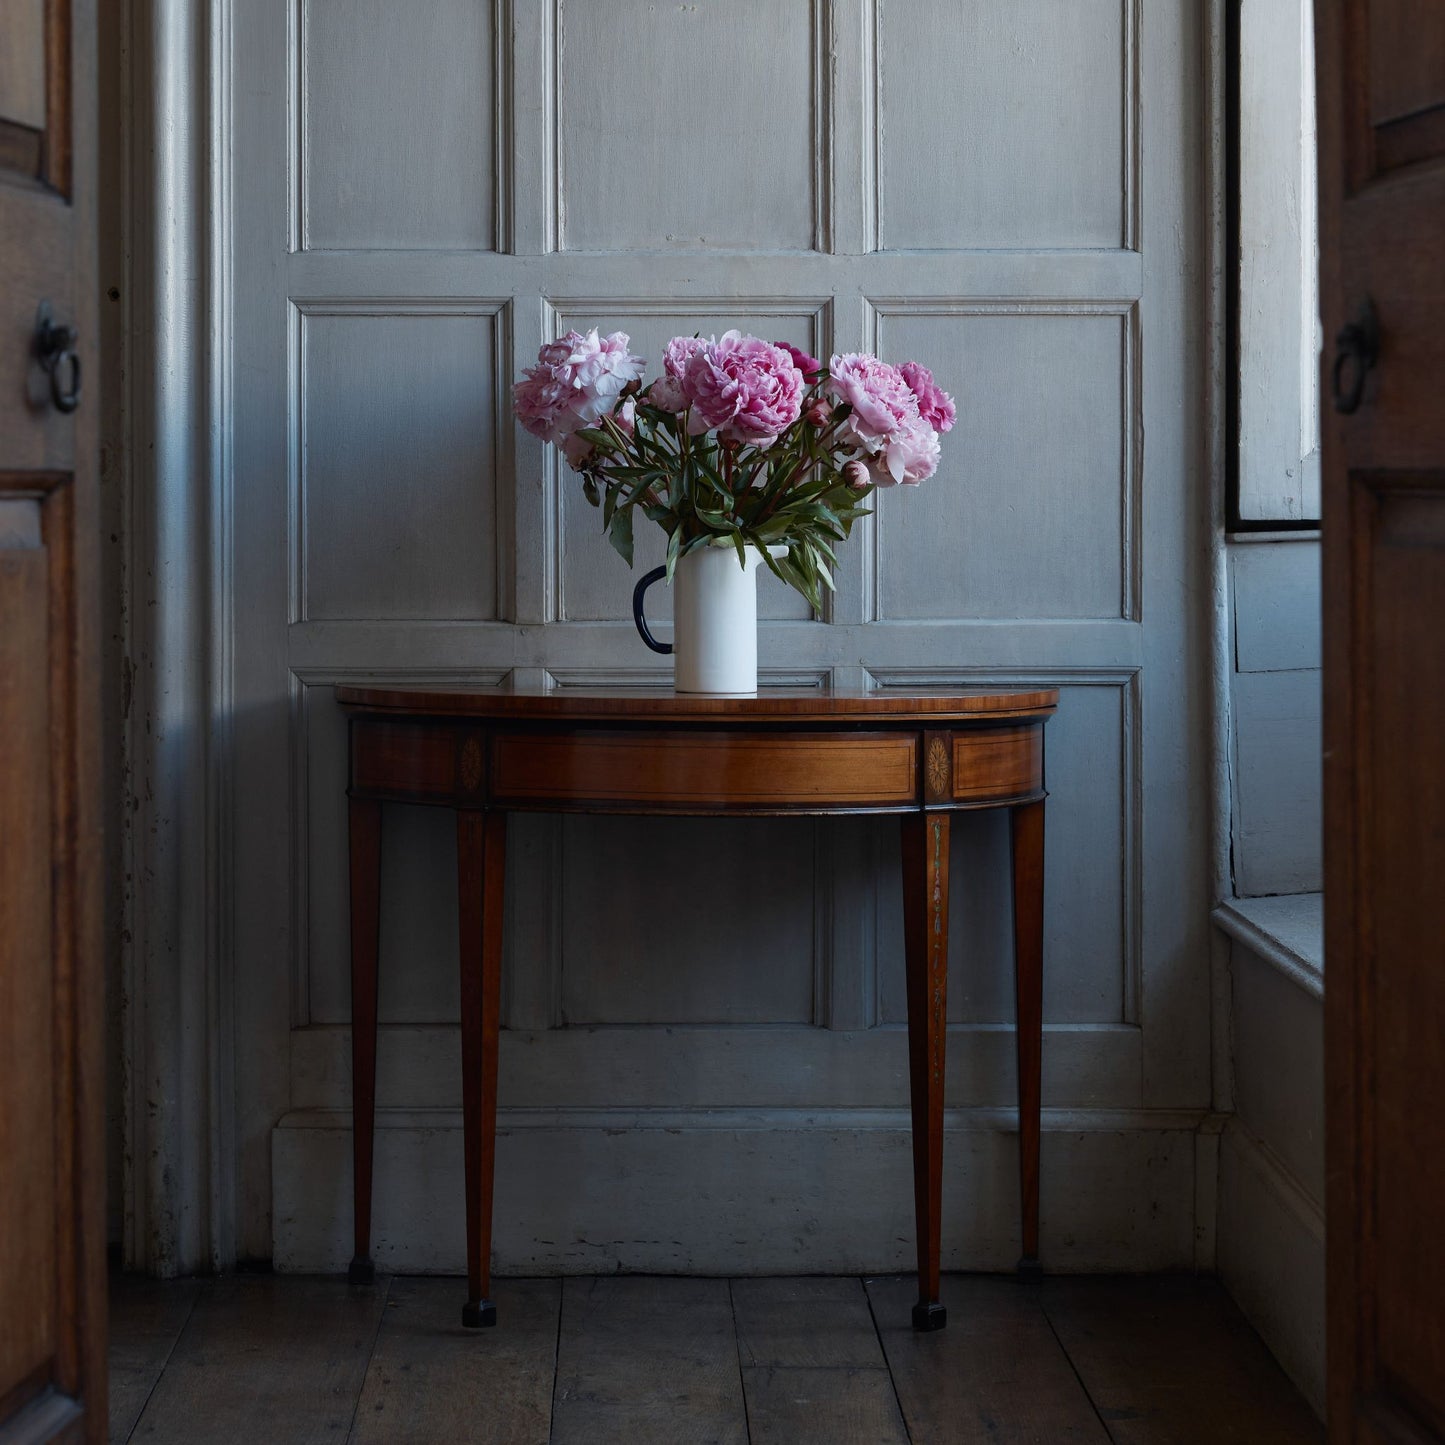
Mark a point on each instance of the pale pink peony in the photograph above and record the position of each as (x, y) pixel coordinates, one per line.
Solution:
(934, 404)
(578, 450)
(748, 389)
(881, 399)
(576, 380)
(599, 365)
(540, 400)
(626, 416)
(680, 350)
(666, 394)
(909, 455)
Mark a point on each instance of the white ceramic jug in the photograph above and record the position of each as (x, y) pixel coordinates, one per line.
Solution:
(715, 619)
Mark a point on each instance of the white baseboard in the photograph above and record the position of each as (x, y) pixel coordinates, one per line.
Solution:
(1272, 1256)
(742, 1191)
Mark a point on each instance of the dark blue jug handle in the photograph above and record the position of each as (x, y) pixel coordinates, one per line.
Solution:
(656, 575)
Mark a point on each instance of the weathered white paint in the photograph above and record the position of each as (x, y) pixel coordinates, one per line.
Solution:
(1276, 604)
(428, 78)
(1276, 805)
(1071, 577)
(1271, 1185)
(1279, 463)
(1272, 1258)
(674, 1192)
(1027, 111)
(1287, 930)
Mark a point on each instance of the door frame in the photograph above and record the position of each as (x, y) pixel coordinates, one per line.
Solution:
(166, 289)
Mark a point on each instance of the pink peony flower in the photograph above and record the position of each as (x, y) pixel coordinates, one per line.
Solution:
(666, 394)
(881, 399)
(748, 389)
(540, 400)
(909, 455)
(578, 450)
(810, 366)
(576, 380)
(934, 404)
(626, 416)
(679, 351)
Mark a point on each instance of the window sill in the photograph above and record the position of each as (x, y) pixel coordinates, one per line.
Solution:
(1286, 931)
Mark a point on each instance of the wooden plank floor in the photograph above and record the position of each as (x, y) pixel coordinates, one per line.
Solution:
(632, 1360)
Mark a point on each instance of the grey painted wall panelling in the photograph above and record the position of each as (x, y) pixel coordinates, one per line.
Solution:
(687, 127)
(1027, 110)
(1054, 547)
(397, 106)
(1277, 785)
(1277, 782)
(397, 464)
(1174, 699)
(1276, 605)
(1006, 530)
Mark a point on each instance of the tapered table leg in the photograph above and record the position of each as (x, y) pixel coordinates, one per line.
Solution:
(1027, 827)
(925, 925)
(481, 864)
(365, 827)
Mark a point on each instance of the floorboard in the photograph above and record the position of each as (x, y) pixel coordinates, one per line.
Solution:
(431, 1380)
(996, 1374)
(146, 1319)
(800, 1406)
(797, 1322)
(812, 1364)
(266, 1359)
(648, 1362)
(1172, 1360)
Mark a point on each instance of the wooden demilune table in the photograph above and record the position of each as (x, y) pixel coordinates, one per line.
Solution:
(485, 753)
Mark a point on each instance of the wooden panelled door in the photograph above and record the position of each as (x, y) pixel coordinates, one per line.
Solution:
(1381, 70)
(52, 1205)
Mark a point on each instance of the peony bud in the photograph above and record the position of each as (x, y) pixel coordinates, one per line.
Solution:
(819, 414)
(856, 475)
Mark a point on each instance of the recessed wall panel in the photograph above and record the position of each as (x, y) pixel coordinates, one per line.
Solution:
(687, 921)
(398, 143)
(1088, 867)
(1029, 514)
(1003, 125)
(687, 126)
(595, 583)
(397, 496)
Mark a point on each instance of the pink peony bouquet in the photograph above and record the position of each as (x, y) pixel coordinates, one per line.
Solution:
(739, 440)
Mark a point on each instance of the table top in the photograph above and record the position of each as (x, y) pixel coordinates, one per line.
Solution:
(663, 705)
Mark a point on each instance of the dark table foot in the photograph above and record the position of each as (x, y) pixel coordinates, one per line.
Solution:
(928, 1317)
(479, 1313)
(1030, 1270)
(361, 1271)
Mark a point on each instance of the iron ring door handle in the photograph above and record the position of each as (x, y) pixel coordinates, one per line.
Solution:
(1357, 350)
(656, 575)
(55, 350)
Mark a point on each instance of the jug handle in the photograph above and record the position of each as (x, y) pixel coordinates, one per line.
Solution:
(656, 575)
